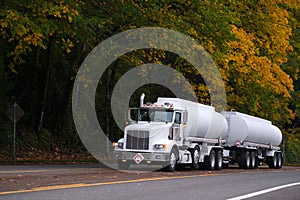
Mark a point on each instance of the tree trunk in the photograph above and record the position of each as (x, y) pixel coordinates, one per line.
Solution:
(45, 84)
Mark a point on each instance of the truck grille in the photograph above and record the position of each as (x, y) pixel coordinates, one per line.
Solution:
(137, 140)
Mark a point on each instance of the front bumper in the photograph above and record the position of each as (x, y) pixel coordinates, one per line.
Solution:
(149, 157)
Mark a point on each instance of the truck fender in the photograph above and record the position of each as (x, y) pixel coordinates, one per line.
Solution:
(270, 153)
(193, 145)
(176, 149)
(209, 148)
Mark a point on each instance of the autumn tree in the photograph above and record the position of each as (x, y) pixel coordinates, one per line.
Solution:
(257, 83)
(255, 45)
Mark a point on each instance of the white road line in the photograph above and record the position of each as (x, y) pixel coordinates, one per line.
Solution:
(263, 191)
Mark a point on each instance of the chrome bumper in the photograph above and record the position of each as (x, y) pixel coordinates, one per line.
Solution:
(148, 156)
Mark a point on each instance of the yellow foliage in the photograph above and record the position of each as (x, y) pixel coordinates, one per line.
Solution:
(245, 60)
(70, 19)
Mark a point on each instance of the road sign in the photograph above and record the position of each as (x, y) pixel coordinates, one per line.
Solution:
(15, 113)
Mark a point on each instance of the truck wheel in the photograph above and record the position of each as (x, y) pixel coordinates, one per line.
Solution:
(210, 161)
(195, 157)
(272, 161)
(244, 160)
(123, 165)
(172, 161)
(252, 160)
(257, 162)
(279, 161)
(219, 160)
(225, 165)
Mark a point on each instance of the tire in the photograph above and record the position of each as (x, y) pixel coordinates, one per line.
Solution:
(180, 167)
(195, 153)
(252, 160)
(219, 160)
(202, 165)
(256, 162)
(244, 160)
(210, 161)
(225, 165)
(123, 165)
(279, 161)
(172, 161)
(272, 161)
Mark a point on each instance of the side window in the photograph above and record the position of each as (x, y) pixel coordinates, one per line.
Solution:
(177, 118)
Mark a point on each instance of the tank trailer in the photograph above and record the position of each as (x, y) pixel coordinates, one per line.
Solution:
(176, 132)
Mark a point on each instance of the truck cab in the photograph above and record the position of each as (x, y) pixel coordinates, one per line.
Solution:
(152, 136)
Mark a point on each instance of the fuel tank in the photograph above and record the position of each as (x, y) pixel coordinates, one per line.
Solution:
(202, 120)
(247, 128)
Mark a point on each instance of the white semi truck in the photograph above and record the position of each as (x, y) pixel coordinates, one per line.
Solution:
(175, 132)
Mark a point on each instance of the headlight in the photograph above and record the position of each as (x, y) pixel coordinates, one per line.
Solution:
(160, 146)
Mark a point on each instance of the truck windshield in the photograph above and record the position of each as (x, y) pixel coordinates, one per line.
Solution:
(156, 115)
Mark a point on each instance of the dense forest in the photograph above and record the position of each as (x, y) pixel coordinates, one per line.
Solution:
(255, 45)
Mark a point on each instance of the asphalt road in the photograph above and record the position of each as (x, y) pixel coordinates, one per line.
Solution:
(21, 169)
(188, 186)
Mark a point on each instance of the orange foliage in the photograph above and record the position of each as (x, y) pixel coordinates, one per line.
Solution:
(245, 59)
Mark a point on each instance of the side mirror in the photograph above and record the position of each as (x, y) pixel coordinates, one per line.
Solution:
(185, 117)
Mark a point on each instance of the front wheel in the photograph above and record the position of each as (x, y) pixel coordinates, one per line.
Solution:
(195, 157)
(172, 161)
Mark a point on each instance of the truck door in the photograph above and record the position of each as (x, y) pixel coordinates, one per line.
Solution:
(178, 128)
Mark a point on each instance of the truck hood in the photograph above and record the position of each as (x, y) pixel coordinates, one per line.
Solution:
(153, 127)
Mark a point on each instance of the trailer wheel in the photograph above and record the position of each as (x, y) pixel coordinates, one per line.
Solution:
(257, 162)
(210, 161)
(195, 157)
(279, 161)
(123, 165)
(225, 165)
(172, 161)
(219, 160)
(244, 160)
(272, 161)
(252, 160)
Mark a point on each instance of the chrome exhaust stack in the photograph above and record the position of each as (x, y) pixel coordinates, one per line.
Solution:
(142, 99)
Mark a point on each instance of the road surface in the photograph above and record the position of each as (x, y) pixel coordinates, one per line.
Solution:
(98, 182)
